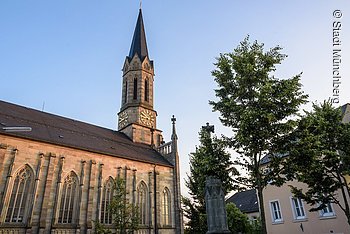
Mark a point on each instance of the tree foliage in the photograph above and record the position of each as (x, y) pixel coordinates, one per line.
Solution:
(320, 158)
(124, 214)
(196, 216)
(258, 107)
(236, 220)
(209, 159)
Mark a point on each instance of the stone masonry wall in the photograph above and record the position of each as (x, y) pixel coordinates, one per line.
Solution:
(51, 164)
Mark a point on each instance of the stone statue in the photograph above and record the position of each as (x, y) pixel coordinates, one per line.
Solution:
(215, 206)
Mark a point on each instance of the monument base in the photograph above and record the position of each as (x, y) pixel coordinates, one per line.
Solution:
(218, 232)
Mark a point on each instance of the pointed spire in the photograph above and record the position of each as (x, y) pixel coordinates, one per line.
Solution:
(173, 135)
(139, 45)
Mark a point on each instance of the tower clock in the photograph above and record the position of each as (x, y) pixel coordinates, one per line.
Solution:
(137, 117)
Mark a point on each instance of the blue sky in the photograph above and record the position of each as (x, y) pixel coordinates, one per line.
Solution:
(69, 54)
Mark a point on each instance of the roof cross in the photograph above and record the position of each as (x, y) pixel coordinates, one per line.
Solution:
(173, 119)
(208, 128)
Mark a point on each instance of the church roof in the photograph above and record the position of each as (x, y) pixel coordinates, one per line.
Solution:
(139, 45)
(246, 201)
(58, 130)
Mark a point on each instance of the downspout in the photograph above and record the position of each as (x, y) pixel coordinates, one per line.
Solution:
(155, 199)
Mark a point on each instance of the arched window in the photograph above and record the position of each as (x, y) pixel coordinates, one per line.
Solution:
(166, 206)
(107, 195)
(68, 199)
(135, 88)
(19, 201)
(146, 90)
(142, 202)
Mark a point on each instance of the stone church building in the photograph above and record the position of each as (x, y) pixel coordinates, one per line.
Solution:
(57, 174)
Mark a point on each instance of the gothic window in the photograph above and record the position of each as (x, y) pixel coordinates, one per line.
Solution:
(135, 88)
(68, 199)
(107, 195)
(166, 205)
(142, 203)
(126, 92)
(146, 91)
(20, 195)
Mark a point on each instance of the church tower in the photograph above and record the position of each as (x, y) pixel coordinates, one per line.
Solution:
(137, 118)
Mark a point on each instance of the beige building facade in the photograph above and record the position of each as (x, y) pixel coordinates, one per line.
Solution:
(57, 175)
(287, 214)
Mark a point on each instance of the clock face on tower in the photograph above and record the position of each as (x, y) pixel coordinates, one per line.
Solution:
(147, 118)
(123, 119)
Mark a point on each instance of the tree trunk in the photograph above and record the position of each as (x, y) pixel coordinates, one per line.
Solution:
(261, 204)
(347, 209)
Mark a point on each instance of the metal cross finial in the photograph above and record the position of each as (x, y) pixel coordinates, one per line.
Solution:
(140, 4)
(173, 135)
(208, 128)
(173, 119)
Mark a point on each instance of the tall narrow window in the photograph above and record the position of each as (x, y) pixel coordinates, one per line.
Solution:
(146, 91)
(298, 208)
(276, 212)
(107, 195)
(142, 203)
(126, 92)
(135, 88)
(68, 199)
(166, 206)
(19, 200)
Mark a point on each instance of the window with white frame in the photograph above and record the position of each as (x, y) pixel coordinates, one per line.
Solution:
(20, 195)
(107, 195)
(327, 211)
(298, 208)
(275, 211)
(68, 199)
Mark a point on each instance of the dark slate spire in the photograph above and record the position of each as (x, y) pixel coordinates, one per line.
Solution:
(139, 45)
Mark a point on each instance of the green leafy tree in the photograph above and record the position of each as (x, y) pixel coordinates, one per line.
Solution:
(239, 222)
(257, 106)
(209, 159)
(320, 158)
(125, 215)
(236, 220)
(255, 226)
(196, 216)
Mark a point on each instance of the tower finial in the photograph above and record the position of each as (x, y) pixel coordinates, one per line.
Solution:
(173, 120)
(208, 128)
(140, 4)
